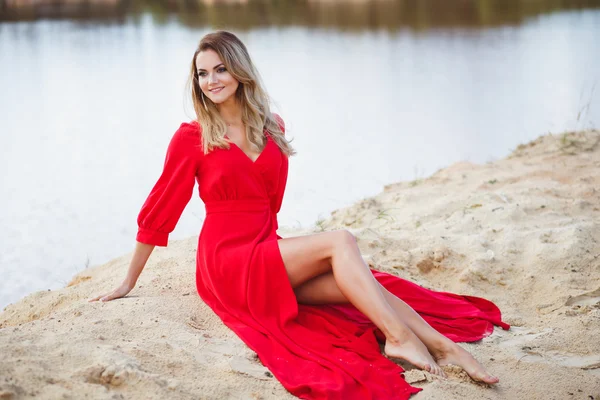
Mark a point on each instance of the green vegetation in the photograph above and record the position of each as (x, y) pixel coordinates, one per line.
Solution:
(320, 224)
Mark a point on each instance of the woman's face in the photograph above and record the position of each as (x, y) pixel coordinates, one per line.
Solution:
(215, 81)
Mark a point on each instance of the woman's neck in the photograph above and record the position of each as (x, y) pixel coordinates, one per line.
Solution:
(231, 111)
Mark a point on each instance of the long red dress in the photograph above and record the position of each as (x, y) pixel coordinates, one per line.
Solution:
(316, 352)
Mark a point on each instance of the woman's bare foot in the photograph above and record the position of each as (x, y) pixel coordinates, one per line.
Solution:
(456, 355)
(411, 349)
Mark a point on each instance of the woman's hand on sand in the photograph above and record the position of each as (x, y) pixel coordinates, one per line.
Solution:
(119, 292)
(140, 256)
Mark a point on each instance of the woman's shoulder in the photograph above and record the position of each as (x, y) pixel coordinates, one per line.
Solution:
(279, 121)
(190, 129)
(189, 132)
(187, 139)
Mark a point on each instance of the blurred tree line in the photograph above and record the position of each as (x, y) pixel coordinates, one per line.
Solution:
(338, 14)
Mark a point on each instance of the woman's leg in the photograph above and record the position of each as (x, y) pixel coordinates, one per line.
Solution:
(323, 289)
(307, 257)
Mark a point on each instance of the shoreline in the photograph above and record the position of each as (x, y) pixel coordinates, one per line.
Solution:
(523, 232)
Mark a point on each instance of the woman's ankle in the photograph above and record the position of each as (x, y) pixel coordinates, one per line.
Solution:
(443, 348)
(396, 332)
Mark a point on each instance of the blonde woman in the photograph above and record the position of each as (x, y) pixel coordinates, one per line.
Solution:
(309, 306)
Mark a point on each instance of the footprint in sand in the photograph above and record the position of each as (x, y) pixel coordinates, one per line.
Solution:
(520, 344)
(586, 299)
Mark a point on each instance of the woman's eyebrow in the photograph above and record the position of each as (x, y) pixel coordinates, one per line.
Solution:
(215, 67)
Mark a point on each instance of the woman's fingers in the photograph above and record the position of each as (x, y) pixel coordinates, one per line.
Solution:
(97, 297)
(119, 292)
(113, 295)
(108, 297)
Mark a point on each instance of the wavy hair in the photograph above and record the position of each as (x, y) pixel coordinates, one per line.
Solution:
(254, 101)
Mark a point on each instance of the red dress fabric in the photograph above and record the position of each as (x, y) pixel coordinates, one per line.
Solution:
(316, 352)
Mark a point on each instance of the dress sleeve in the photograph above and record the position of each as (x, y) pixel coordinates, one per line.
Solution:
(172, 191)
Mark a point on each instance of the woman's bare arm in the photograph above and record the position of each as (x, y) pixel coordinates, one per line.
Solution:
(138, 261)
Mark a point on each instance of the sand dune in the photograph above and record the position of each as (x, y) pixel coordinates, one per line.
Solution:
(523, 232)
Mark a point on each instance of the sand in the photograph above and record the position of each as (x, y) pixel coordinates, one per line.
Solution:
(523, 232)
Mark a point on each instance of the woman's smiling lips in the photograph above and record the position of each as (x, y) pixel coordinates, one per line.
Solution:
(216, 90)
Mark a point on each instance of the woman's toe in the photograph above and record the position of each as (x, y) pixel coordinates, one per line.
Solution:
(486, 378)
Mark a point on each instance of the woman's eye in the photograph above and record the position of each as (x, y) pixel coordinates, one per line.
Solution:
(222, 69)
(201, 73)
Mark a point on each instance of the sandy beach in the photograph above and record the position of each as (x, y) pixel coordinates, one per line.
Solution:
(523, 232)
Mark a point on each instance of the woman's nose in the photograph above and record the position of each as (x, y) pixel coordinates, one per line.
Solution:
(212, 78)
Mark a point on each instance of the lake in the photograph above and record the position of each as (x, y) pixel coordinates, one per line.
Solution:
(372, 93)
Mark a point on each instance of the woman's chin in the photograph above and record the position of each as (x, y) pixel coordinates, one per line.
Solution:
(218, 100)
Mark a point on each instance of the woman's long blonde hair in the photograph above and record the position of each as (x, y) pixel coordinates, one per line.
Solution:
(254, 101)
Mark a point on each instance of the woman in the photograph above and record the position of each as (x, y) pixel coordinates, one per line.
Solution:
(309, 306)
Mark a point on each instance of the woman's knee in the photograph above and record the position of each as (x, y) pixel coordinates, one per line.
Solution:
(343, 240)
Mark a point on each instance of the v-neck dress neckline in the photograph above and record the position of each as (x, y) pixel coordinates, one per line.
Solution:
(244, 153)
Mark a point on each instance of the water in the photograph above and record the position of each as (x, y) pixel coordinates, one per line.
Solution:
(88, 106)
